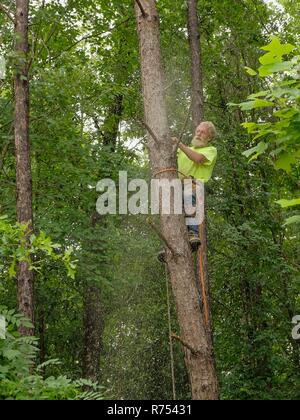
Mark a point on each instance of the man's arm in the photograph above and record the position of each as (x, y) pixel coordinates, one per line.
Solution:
(192, 155)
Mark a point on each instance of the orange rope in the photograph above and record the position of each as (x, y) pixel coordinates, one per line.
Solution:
(202, 277)
(202, 280)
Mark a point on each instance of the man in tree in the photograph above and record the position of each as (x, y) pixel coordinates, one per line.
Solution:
(196, 162)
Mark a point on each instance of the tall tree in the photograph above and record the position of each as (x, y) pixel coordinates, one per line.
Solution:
(199, 361)
(22, 152)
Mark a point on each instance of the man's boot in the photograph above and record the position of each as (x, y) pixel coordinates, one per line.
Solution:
(194, 242)
(161, 256)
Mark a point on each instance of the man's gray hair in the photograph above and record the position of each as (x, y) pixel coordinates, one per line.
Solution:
(211, 128)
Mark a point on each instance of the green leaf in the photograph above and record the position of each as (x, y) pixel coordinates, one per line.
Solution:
(27, 324)
(288, 203)
(292, 220)
(285, 162)
(10, 354)
(12, 269)
(250, 71)
(269, 69)
(259, 94)
(276, 47)
(276, 51)
(250, 127)
(258, 103)
(256, 151)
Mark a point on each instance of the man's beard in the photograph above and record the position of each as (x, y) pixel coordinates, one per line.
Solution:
(198, 142)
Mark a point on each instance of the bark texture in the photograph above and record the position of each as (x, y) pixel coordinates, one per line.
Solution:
(22, 153)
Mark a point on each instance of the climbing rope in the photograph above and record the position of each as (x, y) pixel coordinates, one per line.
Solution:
(200, 257)
(203, 289)
(170, 335)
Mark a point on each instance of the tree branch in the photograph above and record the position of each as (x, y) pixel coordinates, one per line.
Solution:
(144, 14)
(7, 12)
(89, 36)
(162, 237)
(188, 346)
(149, 129)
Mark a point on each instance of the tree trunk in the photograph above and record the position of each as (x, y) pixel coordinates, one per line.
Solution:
(196, 67)
(22, 152)
(110, 128)
(198, 116)
(199, 362)
(42, 342)
(93, 312)
(93, 330)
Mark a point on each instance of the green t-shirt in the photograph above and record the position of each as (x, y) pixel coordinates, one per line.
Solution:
(200, 171)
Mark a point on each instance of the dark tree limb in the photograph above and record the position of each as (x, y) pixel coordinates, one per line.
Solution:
(185, 344)
(144, 14)
(150, 131)
(162, 237)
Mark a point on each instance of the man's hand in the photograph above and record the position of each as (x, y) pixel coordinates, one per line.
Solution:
(176, 143)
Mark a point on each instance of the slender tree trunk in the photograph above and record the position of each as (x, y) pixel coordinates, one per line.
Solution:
(93, 311)
(198, 116)
(93, 330)
(22, 151)
(110, 127)
(199, 361)
(42, 332)
(196, 67)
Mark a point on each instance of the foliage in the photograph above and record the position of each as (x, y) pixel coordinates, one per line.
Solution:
(13, 249)
(280, 127)
(19, 380)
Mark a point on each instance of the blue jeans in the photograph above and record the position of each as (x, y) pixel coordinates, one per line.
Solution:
(191, 200)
